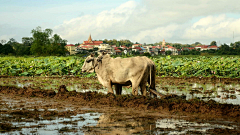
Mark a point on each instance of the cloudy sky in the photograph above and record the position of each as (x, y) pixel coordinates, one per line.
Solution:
(143, 21)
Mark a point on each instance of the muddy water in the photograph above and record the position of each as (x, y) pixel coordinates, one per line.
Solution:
(33, 115)
(220, 91)
(92, 121)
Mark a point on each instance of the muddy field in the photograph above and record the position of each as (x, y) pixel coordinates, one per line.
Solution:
(29, 106)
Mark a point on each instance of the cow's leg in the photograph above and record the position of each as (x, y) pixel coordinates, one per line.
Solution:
(109, 87)
(118, 89)
(134, 89)
(143, 88)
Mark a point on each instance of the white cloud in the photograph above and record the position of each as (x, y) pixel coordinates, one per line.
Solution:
(103, 25)
(152, 21)
(156, 34)
(219, 28)
(144, 21)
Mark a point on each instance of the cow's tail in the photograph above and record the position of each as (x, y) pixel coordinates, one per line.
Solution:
(150, 76)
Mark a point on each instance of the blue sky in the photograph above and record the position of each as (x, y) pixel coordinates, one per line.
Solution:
(144, 21)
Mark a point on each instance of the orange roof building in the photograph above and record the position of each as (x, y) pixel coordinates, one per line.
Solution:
(90, 42)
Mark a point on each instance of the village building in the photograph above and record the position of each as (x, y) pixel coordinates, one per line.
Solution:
(188, 48)
(137, 49)
(136, 45)
(172, 49)
(206, 47)
(71, 49)
(213, 47)
(156, 49)
(105, 48)
(90, 42)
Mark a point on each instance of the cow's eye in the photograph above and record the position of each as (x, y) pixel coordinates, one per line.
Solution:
(88, 61)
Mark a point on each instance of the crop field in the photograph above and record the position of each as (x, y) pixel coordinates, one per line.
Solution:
(50, 95)
(201, 66)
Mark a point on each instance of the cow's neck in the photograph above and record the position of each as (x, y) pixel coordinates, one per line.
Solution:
(98, 66)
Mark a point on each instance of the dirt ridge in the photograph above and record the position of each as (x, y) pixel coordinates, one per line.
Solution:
(170, 103)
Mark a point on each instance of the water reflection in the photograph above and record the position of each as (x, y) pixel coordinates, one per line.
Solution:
(223, 93)
(179, 126)
(74, 124)
(110, 124)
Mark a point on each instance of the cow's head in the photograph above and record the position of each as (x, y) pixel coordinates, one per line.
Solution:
(88, 65)
(100, 57)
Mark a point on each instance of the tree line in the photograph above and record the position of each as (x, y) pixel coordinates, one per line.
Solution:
(42, 43)
(45, 43)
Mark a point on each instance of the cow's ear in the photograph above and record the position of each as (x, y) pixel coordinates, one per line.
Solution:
(103, 53)
(89, 60)
(92, 54)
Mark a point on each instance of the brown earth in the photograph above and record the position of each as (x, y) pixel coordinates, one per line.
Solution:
(136, 107)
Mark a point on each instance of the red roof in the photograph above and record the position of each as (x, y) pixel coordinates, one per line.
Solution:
(87, 47)
(202, 46)
(70, 45)
(93, 42)
(156, 47)
(213, 46)
(170, 46)
(190, 48)
(124, 47)
(118, 51)
(137, 44)
(139, 48)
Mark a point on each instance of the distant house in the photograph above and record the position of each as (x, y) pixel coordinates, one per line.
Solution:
(137, 49)
(162, 52)
(213, 47)
(117, 51)
(156, 49)
(188, 48)
(172, 49)
(86, 47)
(105, 47)
(206, 47)
(71, 49)
(136, 45)
(202, 47)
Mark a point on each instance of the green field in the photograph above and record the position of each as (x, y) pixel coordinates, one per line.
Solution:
(177, 66)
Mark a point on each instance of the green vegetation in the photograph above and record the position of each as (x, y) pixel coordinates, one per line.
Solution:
(199, 66)
(40, 66)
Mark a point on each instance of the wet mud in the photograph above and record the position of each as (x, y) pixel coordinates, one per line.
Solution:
(123, 114)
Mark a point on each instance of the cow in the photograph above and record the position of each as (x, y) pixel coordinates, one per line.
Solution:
(134, 71)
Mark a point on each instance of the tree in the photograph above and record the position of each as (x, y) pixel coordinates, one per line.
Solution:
(44, 44)
(7, 49)
(197, 43)
(236, 44)
(3, 41)
(1, 47)
(213, 43)
(27, 41)
(168, 52)
(224, 49)
(117, 44)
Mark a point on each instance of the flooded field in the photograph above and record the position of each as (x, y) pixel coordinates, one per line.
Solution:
(220, 90)
(40, 105)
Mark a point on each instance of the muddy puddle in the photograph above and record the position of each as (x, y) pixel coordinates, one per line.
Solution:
(21, 115)
(81, 106)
